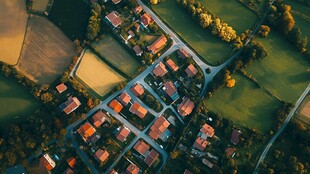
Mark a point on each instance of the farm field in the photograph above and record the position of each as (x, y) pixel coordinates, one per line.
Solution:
(209, 47)
(14, 101)
(39, 5)
(115, 54)
(246, 104)
(303, 112)
(232, 12)
(45, 56)
(285, 72)
(71, 21)
(97, 75)
(13, 21)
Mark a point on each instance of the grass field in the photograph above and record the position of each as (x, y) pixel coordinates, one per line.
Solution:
(39, 5)
(97, 75)
(209, 47)
(118, 56)
(45, 56)
(232, 12)
(14, 101)
(284, 72)
(245, 104)
(13, 22)
(71, 16)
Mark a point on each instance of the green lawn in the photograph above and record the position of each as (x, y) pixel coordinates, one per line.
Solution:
(245, 104)
(209, 47)
(284, 72)
(232, 12)
(114, 53)
(14, 101)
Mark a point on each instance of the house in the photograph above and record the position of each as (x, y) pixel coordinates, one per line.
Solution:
(137, 109)
(114, 19)
(157, 45)
(171, 90)
(160, 70)
(186, 107)
(137, 9)
(207, 130)
(142, 148)
(137, 50)
(124, 98)
(94, 138)
(235, 136)
(61, 88)
(68, 171)
(137, 89)
(145, 19)
(137, 26)
(191, 70)
(47, 162)
(171, 65)
(116, 1)
(86, 131)
(151, 158)
(200, 144)
(71, 162)
(116, 106)
(207, 163)
(132, 169)
(187, 172)
(98, 119)
(123, 134)
(130, 34)
(159, 126)
(230, 151)
(101, 155)
(113, 172)
(70, 105)
(182, 53)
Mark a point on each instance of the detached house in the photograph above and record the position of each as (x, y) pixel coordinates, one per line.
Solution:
(171, 90)
(137, 9)
(86, 131)
(98, 119)
(186, 107)
(142, 148)
(123, 134)
(160, 70)
(137, 50)
(47, 162)
(171, 65)
(159, 127)
(158, 44)
(182, 53)
(137, 109)
(191, 71)
(61, 88)
(116, 106)
(101, 155)
(137, 89)
(145, 19)
(124, 98)
(207, 130)
(70, 105)
(132, 169)
(235, 136)
(200, 144)
(151, 158)
(114, 19)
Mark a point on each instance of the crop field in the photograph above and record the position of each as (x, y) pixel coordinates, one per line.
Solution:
(97, 75)
(232, 12)
(13, 22)
(246, 104)
(116, 54)
(39, 5)
(304, 110)
(45, 56)
(284, 72)
(209, 47)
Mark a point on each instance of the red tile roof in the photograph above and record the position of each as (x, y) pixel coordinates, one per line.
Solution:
(159, 126)
(101, 155)
(235, 135)
(137, 50)
(182, 53)
(186, 107)
(61, 88)
(137, 89)
(137, 109)
(208, 130)
(86, 130)
(132, 169)
(47, 162)
(116, 1)
(123, 134)
(71, 162)
(116, 106)
(191, 70)
(98, 118)
(158, 44)
(114, 18)
(170, 63)
(160, 70)
(145, 19)
(151, 158)
(138, 9)
(71, 104)
(187, 172)
(230, 151)
(124, 98)
(169, 88)
(200, 144)
(141, 147)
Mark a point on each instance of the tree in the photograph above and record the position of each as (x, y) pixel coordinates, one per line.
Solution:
(264, 30)
(231, 83)
(174, 154)
(154, 2)
(93, 27)
(46, 97)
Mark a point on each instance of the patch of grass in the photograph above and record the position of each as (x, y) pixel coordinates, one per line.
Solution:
(246, 104)
(209, 47)
(284, 72)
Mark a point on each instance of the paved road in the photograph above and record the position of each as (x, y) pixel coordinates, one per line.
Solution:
(287, 120)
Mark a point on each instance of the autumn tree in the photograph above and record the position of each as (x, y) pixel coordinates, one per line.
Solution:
(154, 2)
(264, 30)
(93, 27)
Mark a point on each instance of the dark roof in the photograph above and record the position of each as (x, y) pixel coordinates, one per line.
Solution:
(235, 135)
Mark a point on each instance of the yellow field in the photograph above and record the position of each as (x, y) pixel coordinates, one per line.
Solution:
(304, 110)
(13, 22)
(39, 5)
(97, 75)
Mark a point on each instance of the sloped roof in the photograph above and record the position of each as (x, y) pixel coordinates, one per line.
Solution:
(132, 169)
(171, 65)
(137, 89)
(114, 18)
(160, 70)
(186, 107)
(159, 126)
(191, 70)
(86, 130)
(158, 44)
(137, 49)
(151, 158)
(61, 88)
(141, 147)
(207, 129)
(98, 118)
(169, 88)
(124, 98)
(182, 53)
(71, 104)
(137, 109)
(123, 134)
(235, 135)
(101, 155)
(145, 19)
(116, 106)
(71, 161)
(47, 162)
(200, 144)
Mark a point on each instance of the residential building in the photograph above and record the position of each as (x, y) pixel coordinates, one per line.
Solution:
(137, 26)
(94, 138)
(71, 162)
(137, 89)
(159, 126)
(207, 163)
(187, 172)
(157, 45)
(116, 1)
(70, 105)
(200, 144)
(116, 106)
(114, 19)
(145, 19)
(235, 136)
(101, 155)
(230, 151)
(137, 109)
(132, 169)
(151, 158)
(124, 98)
(160, 70)
(137, 50)
(47, 162)
(68, 171)
(207, 130)
(171, 65)
(61, 88)
(98, 119)
(186, 107)
(86, 131)
(122, 134)
(171, 90)
(142, 148)
(137, 9)
(191, 71)
(182, 53)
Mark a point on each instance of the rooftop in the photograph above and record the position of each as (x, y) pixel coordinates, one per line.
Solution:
(137, 89)
(123, 134)
(182, 53)
(124, 98)
(172, 66)
(71, 104)
(137, 109)
(61, 88)
(47, 162)
(158, 44)
(186, 107)
(86, 130)
(114, 18)
(160, 70)
(171, 90)
(145, 19)
(200, 144)
(116, 106)
(98, 118)
(151, 158)
(159, 126)
(141, 147)
(207, 129)
(235, 135)
(101, 155)
(132, 169)
(191, 70)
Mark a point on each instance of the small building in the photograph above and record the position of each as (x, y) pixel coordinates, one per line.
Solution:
(145, 19)
(123, 134)
(71, 162)
(182, 53)
(186, 107)
(137, 109)
(101, 155)
(124, 98)
(98, 119)
(159, 126)
(132, 169)
(130, 34)
(191, 71)
(151, 158)
(235, 136)
(137, 89)
(171, 65)
(116, 1)
(200, 144)
(158, 44)
(70, 105)
(86, 131)
(137, 50)
(47, 162)
(171, 90)
(116, 106)
(160, 70)
(61, 88)
(138, 9)
(114, 19)
(187, 172)
(142, 148)
(137, 26)
(94, 138)
(68, 171)
(207, 163)
(113, 172)
(230, 151)
(207, 130)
